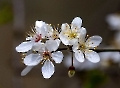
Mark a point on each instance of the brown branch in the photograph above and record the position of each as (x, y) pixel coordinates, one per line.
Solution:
(97, 50)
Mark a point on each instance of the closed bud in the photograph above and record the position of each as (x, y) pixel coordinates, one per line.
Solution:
(71, 71)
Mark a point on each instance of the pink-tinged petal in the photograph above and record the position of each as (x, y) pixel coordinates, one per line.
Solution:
(41, 28)
(92, 56)
(48, 69)
(26, 70)
(65, 26)
(79, 56)
(52, 45)
(57, 56)
(32, 59)
(93, 41)
(77, 22)
(24, 46)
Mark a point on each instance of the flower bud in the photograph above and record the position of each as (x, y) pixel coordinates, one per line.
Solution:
(71, 71)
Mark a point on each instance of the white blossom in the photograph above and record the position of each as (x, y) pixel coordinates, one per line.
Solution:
(83, 46)
(44, 56)
(70, 34)
(34, 38)
(41, 46)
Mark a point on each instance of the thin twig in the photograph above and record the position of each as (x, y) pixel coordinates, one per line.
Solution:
(97, 50)
(107, 50)
(72, 59)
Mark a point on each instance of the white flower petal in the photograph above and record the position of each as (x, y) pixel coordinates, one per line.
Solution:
(41, 28)
(48, 69)
(93, 41)
(92, 56)
(83, 31)
(38, 46)
(75, 46)
(79, 56)
(73, 41)
(39, 24)
(51, 45)
(64, 39)
(49, 28)
(57, 56)
(29, 38)
(44, 31)
(58, 41)
(86, 65)
(77, 22)
(65, 26)
(24, 46)
(32, 59)
(26, 70)
(82, 35)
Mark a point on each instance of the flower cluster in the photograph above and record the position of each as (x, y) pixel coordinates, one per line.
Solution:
(42, 45)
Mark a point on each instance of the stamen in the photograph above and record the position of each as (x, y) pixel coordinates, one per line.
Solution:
(58, 26)
(43, 61)
(23, 55)
(33, 30)
(46, 55)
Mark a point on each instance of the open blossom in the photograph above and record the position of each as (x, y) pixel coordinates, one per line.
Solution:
(45, 41)
(41, 33)
(44, 56)
(52, 33)
(70, 34)
(83, 46)
(34, 38)
(41, 46)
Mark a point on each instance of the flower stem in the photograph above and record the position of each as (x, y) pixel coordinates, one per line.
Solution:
(72, 59)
